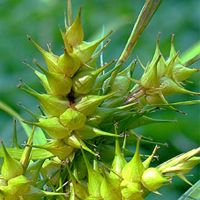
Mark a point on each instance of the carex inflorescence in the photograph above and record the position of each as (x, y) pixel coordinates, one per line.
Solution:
(89, 113)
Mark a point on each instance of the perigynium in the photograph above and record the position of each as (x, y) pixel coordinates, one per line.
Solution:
(87, 108)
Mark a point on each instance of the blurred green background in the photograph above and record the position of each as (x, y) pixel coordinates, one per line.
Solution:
(41, 19)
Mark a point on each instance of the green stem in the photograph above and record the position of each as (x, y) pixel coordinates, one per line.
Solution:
(143, 19)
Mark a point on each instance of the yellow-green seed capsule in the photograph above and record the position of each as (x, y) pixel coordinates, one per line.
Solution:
(83, 82)
(131, 190)
(113, 102)
(89, 103)
(150, 78)
(6, 193)
(154, 99)
(152, 179)
(118, 163)
(85, 50)
(134, 169)
(68, 63)
(88, 132)
(58, 148)
(50, 58)
(42, 78)
(11, 167)
(168, 87)
(52, 126)
(20, 185)
(72, 119)
(120, 86)
(181, 73)
(80, 189)
(94, 179)
(75, 141)
(54, 105)
(100, 115)
(161, 65)
(59, 83)
(110, 187)
(3, 182)
(173, 53)
(74, 34)
(119, 160)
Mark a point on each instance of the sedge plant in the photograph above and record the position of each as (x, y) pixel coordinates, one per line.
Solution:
(77, 146)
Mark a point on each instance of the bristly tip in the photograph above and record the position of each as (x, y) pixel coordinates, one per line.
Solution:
(166, 144)
(28, 37)
(172, 38)
(34, 60)
(18, 85)
(20, 80)
(19, 104)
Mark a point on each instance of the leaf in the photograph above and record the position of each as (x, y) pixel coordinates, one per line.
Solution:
(191, 52)
(193, 193)
(35, 153)
(39, 137)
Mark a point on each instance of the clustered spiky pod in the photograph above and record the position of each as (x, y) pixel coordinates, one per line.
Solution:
(162, 78)
(86, 108)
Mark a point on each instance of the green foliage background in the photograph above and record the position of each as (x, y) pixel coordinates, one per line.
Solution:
(41, 18)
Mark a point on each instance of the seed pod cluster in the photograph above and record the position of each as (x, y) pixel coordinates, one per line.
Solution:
(87, 113)
(74, 92)
(162, 77)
